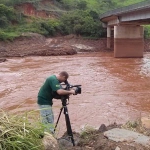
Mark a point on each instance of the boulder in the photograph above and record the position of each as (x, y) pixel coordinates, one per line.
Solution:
(49, 142)
(126, 136)
(102, 128)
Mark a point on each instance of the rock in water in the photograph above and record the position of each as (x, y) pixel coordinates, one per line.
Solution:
(49, 142)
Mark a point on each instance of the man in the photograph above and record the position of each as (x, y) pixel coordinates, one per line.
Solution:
(46, 94)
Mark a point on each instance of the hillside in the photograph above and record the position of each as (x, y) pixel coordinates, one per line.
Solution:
(55, 17)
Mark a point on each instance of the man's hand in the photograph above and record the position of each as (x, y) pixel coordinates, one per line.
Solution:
(65, 92)
(72, 92)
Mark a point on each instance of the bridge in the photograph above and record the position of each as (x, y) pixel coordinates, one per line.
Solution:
(126, 22)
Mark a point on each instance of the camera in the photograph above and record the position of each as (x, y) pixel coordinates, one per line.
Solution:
(67, 87)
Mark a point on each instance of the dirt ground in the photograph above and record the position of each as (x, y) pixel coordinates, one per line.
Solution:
(32, 44)
(95, 140)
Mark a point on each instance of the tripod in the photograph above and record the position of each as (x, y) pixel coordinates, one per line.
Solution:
(68, 125)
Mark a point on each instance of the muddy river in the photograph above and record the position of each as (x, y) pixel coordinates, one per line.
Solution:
(113, 90)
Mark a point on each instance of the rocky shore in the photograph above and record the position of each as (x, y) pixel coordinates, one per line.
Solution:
(112, 137)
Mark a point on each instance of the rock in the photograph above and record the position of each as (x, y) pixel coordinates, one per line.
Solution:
(122, 135)
(65, 142)
(102, 128)
(82, 47)
(146, 122)
(50, 143)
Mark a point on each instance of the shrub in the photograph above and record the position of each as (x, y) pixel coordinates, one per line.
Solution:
(85, 23)
(7, 14)
(8, 35)
(147, 31)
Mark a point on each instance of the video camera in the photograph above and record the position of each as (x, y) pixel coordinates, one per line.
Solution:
(67, 87)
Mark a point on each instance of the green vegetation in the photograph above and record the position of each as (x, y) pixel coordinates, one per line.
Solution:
(85, 23)
(147, 31)
(80, 17)
(15, 2)
(136, 126)
(87, 135)
(20, 132)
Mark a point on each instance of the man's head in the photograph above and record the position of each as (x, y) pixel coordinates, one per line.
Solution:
(62, 76)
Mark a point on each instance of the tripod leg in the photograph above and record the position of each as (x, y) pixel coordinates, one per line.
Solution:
(58, 118)
(68, 125)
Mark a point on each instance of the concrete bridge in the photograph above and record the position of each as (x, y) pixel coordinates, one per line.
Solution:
(128, 30)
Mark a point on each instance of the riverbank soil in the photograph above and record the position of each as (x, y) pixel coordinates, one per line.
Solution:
(33, 44)
(92, 139)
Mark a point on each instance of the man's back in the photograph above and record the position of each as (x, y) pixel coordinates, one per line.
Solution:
(45, 94)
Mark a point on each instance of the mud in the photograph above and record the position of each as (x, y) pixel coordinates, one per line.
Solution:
(32, 44)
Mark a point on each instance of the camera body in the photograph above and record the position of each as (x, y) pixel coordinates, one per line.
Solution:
(67, 87)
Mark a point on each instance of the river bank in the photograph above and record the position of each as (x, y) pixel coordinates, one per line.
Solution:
(33, 44)
(92, 139)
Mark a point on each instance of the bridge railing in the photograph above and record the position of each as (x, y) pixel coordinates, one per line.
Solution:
(133, 7)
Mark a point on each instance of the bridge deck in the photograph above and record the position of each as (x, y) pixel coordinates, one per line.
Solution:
(126, 9)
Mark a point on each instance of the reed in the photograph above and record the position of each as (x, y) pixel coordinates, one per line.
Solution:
(20, 132)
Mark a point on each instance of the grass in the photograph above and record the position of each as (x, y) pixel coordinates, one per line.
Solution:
(127, 2)
(13, 32)
(8, 35)
(136, 126)
(88, 134)
(20, 132)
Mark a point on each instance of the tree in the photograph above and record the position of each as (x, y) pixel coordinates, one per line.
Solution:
(7, 14)
(82, 5)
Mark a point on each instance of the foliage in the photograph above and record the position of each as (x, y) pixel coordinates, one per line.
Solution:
(147, 31)
(7, 14)
(82, 5)
(72, 5)
(136, 126)
(8, 35)
(121, 3)
(87, 134)
(81, 18)
(82, 23)
(15, 2)
(20, 132)
(41, 26)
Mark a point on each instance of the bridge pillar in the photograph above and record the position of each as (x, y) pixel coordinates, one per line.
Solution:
(128, 41)
(108, 37)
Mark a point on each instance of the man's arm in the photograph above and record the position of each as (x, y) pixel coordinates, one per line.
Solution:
(65, 92)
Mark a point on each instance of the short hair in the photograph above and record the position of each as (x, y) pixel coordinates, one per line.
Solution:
(64, 73)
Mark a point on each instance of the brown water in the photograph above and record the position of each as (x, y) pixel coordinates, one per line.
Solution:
(113, 90)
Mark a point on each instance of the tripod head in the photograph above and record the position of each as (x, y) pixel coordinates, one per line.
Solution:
(65, 100)
(67, 86)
